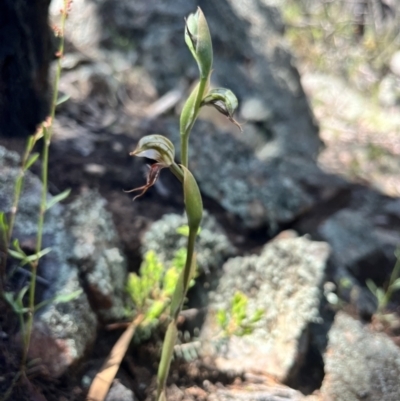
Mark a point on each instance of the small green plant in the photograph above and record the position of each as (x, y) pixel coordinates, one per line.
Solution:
(25, 309)
(156, 289)
(237, 319)
(383, 296)
(160, 149)
(151, 290)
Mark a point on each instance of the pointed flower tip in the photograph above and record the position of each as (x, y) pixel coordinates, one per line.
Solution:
(156, 147)
(225, 101)
(198, 39)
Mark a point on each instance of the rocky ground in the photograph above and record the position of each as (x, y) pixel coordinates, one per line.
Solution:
(302, 209)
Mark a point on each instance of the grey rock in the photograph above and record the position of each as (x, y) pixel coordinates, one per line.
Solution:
(254, 109)
(352, 240)
(212, 247)
(96, 253)
(362, 226)
(63, 332)
(360, 364)
(119, 392)
(363, 235)
(244, 60)
(285, 282)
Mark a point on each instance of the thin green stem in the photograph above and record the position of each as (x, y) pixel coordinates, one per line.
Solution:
(185, 150)
(47, 134)
(14, 208)
(395, 274)
(188, 270)
(185, 135)
(170, 337)
(200, 95)
(176, 170)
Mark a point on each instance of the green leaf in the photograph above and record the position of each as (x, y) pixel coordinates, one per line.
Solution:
(30, 142)
(180, 259)
(16, 303)
(239, 307)
(3, 222)
(35, 256)
(380, 295)
(17, 246)
(16, 254)
(59, 299)
(170, 280)
(31, 160)
(135, 290)
(192, 199)
(58, 198)
(371, 286)
(396, 284)
(183, 230)
(62, 99)
(257, 316)
(4, 227)
(156, 309)
(65, 298)
(151, 272)
(21, 295)
(222, 318)
(9, 297)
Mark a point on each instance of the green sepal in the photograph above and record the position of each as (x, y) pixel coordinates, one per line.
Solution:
(198, 39)
(188, 114)
(224, 100)
(156, 147)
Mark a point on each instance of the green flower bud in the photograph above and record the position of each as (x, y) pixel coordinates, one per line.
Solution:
(156, 147)
(224, 100)
(198, 39)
